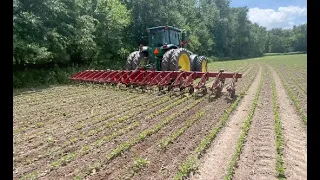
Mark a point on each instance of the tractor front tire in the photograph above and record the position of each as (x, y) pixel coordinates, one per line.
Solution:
(180, 60)
(201, 64)
(165, 64)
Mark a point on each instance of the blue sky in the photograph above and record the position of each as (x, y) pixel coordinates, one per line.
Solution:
(275, 13)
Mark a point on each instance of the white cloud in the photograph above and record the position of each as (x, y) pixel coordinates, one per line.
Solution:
(284, 17)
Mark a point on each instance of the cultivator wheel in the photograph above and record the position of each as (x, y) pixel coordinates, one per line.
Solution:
(176, 82)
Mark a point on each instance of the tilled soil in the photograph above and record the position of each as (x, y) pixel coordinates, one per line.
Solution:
(163, 164)
(294, 135)
(86, 140)
(216, 160)
(54, 155)
(52, 127)
(299, 94)
(258, 158)
(38, 159)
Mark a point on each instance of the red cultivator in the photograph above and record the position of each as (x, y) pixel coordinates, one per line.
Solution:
(170, 80)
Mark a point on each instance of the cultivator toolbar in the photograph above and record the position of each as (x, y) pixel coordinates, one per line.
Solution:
(176, 81)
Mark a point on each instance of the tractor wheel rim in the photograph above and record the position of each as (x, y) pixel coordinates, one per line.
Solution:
(204, 66)
(184, 62)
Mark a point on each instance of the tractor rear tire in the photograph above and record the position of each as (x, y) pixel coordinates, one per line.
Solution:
(130, 60)
(180, 60)
(165, 64)
(193, 59)
(201, 64)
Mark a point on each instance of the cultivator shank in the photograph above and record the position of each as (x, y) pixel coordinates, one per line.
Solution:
(178, 81)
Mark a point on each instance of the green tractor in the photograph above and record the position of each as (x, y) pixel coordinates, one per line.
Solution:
(166, 52)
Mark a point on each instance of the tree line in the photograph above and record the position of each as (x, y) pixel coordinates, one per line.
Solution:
(106, 31)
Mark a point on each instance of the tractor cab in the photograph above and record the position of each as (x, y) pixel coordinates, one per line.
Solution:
(164, 36)
(160, 40)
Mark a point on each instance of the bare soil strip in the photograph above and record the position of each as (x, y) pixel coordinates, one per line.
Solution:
(294, 135)
(299, 94)
(215, 162)
(258, 158)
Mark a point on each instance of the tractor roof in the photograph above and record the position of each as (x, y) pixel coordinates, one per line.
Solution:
(162, 27)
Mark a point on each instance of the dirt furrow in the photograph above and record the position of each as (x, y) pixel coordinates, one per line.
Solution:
(63, 102)
(258, 158)
(165, 160)
(294, 135)
(69, 123)
(96, 155)
(299, 94)
(57, 105)
(87, 139)
(163, 164)
(64, 144)
(44, 120)
(216, 160)
(35, 98)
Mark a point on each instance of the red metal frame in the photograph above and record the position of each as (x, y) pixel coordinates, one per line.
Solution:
(175, 79)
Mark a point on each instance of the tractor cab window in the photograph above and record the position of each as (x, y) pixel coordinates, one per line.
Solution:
(159, 38)
(174, 37)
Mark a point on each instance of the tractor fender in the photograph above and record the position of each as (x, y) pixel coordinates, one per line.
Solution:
(168, 47)
(143, 48)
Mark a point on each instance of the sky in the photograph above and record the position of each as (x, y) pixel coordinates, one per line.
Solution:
(275, 13)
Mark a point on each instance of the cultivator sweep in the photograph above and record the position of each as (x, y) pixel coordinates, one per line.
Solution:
(174, 81)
